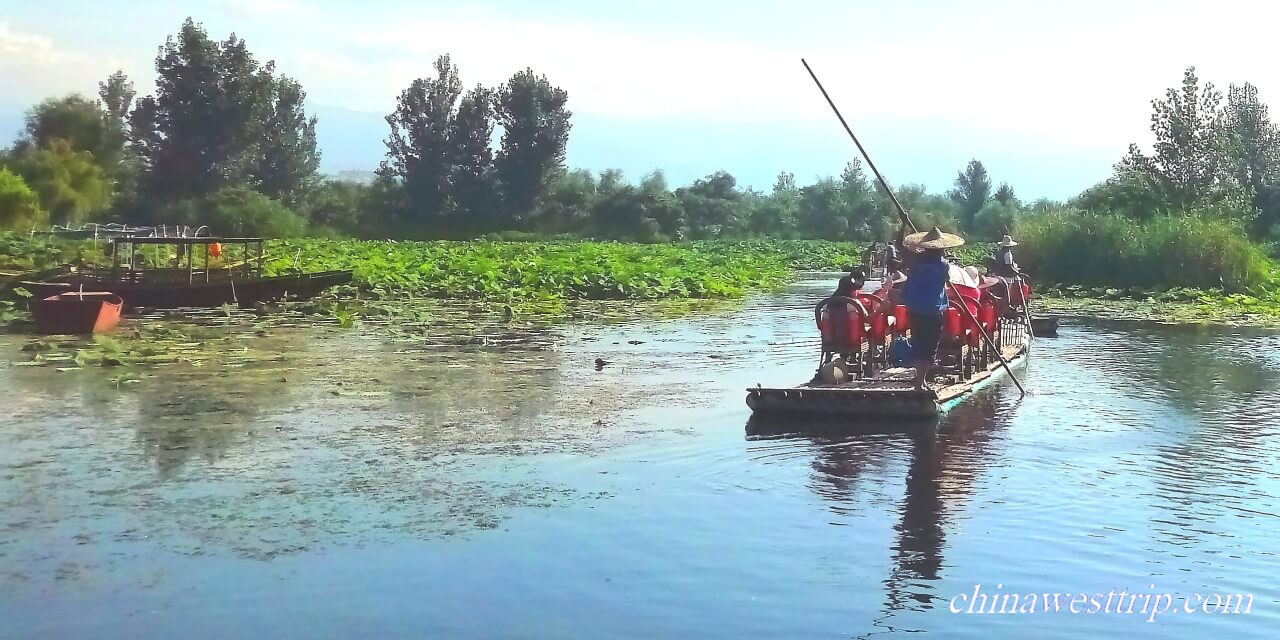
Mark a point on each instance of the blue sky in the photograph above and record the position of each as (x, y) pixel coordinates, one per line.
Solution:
(1047, 95)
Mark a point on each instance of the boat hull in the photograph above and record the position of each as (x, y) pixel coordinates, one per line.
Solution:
(77, 313)
(200, 294)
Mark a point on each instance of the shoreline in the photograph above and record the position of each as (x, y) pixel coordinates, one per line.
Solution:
(1217, 313)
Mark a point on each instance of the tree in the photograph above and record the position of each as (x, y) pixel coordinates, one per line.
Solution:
(711, 205)
(662, 209)
(19, 205)
(569, 201)
(647, 212)
(78, 121)
(995, 219)
(535, 123)
(859, 201)
(288, 160)
(1252, 152)
(337, 204)
(776, 216)
(71, 186)
(1005, 195)
(1128, 192)
(819, 207)
(1187, 165)
(115, 96)
(418, 149)
(470, 145)
(972, 190)
(203, 129)
(926, 209)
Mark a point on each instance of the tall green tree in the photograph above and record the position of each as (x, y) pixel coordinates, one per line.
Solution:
(203, 130)
(859, 201)
(419, 151)
(471, 176)
(288, 159)
(1005, 195)
(1186, 166)
(971, 192)
(115, 95)
(1251, 144)
(535, 133)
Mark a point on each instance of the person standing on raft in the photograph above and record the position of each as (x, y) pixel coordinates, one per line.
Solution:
(1005, 266)
(925, 296)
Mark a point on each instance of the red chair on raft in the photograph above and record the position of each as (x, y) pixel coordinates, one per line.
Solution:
(843, 324)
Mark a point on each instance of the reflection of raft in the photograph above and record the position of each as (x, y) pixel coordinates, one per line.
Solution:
(887, 393)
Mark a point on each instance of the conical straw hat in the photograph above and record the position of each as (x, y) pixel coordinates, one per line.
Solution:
(933, 239)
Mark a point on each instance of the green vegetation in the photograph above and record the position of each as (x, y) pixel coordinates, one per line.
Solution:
(521, 271)
(1100, 250)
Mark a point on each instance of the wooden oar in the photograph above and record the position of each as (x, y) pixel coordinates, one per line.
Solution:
(906, 219)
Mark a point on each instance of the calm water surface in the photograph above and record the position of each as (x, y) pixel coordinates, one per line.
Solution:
(358, 484)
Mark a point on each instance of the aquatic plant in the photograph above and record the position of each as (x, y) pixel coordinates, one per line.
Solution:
(524, 272)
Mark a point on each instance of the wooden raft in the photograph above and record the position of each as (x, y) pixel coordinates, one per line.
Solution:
(889, 393)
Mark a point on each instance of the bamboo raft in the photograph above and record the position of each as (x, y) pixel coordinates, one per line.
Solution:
(887, 393)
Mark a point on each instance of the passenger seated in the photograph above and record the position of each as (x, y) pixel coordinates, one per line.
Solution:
(851, 284)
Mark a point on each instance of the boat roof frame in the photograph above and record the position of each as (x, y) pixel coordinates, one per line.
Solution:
(204, 240)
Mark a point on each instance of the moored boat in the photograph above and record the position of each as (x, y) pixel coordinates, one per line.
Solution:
(159, 272)
(77, 312)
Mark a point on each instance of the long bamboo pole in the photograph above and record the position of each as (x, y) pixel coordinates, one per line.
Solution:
(906, 220)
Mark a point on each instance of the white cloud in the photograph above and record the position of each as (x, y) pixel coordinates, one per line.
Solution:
(1056, 77)
(34, 67)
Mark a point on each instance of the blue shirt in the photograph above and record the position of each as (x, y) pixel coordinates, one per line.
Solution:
(925, 290)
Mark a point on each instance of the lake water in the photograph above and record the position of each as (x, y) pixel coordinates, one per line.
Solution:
(360, 484)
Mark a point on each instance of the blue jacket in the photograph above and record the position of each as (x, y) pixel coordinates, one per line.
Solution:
(925, 290)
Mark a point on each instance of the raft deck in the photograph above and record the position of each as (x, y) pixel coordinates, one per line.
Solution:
(888, 393)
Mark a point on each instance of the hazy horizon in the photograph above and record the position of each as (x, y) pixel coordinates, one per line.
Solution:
(1048, 98)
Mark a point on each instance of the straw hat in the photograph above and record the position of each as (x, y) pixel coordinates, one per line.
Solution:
(983, 281)
(933, 239)
(1008, 242)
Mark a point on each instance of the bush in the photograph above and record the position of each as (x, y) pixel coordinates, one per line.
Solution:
(240, 211)
(71, 185)
(1099, 249)
(19, 205)
(994, 220)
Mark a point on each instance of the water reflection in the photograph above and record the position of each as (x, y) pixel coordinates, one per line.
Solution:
(945, 458)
